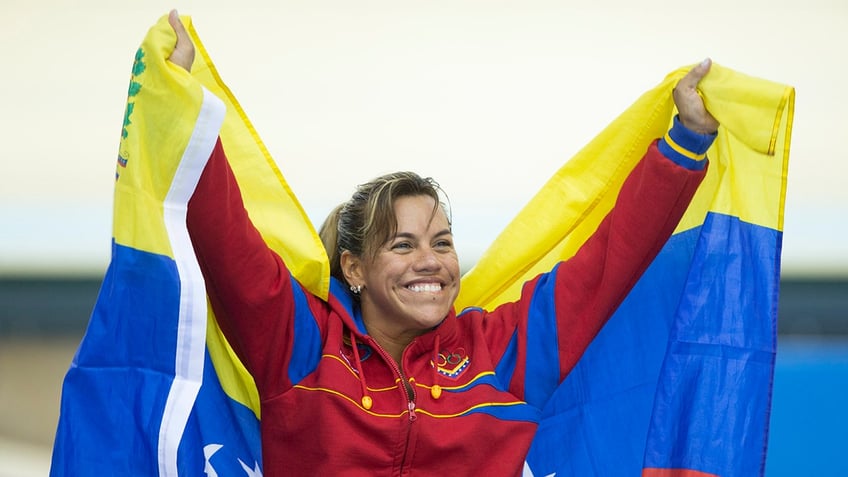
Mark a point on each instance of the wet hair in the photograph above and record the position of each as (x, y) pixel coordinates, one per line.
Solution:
(368, 220)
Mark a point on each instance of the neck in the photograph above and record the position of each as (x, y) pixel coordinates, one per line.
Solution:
(393, 345)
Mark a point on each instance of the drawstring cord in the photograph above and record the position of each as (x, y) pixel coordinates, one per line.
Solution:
(367, 402)
(436, 390)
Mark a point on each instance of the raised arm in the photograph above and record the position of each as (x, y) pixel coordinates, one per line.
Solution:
(250, 289)
(248, 285)
(593, 283)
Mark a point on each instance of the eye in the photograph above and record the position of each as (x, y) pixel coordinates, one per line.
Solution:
(402, 246)
(443, 243)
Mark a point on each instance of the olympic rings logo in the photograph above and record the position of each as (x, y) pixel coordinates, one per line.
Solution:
(447, 358)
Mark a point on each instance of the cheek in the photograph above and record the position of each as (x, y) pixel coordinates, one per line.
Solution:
(389, 269)
(452, 265)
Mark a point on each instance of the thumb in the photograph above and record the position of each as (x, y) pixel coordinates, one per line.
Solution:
(695, 75)
(690, 105)
(183, 54)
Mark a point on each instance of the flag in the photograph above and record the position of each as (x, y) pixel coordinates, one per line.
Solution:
(154, 389)
(679, 378)
(678, 383)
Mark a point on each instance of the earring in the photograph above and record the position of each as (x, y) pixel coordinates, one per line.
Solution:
(356, 289)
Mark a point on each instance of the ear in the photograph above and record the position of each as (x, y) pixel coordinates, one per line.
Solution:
(351, 268)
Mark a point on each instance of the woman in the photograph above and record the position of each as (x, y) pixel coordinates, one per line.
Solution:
(384, 378)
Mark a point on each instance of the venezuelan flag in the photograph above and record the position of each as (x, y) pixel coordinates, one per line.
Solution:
(677, 384)
(154, 389)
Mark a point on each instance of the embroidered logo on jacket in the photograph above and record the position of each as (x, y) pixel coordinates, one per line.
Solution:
(452, 363)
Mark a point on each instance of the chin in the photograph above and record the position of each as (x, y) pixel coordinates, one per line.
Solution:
(431, 321)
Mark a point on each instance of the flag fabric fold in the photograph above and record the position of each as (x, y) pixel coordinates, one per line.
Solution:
(677, 384)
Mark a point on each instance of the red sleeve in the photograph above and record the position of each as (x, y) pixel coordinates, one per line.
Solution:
(593, 283)
(249, 287)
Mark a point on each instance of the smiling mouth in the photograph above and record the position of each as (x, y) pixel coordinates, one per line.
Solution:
(425, 288)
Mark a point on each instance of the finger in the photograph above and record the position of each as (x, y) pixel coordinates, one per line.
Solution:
(177, 25)
(183, 54)
(695, 75)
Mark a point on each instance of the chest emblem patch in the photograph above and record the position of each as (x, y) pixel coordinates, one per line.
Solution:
(452, 363)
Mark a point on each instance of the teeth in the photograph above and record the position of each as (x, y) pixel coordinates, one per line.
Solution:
(425, 287)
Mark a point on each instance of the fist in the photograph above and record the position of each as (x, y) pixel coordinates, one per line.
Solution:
(690, 105)
(183, 54)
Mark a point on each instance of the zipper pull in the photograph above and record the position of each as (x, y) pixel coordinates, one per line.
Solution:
(412, 415)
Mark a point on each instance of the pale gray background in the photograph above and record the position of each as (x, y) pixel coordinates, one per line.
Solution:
(489, 97)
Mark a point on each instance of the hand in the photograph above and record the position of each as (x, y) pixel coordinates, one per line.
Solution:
(690, 105)
(183, 54)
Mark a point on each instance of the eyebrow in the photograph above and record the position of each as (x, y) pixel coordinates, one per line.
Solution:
(412, 236)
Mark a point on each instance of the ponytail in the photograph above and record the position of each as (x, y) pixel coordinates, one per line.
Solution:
(329, 233)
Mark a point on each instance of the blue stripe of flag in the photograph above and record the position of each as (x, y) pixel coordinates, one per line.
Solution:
(122, 372)
(714, 283)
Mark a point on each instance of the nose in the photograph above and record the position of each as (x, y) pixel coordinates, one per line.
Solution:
(426, 260)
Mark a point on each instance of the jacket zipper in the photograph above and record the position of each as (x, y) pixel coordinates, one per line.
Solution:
(408, 392)
(406, 387)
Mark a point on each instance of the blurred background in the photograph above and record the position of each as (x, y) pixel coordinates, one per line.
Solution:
(490, 98)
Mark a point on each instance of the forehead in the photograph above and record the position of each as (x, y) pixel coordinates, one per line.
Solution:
(419, 212)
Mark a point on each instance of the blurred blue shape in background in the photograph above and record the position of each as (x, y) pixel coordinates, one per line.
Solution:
(809, 421)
